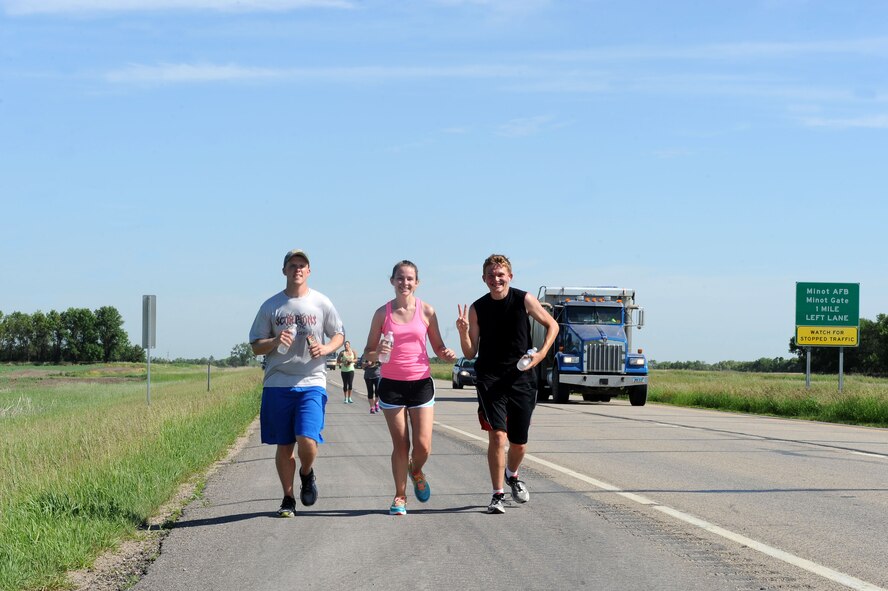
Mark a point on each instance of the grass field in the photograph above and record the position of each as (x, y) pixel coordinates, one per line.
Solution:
(863, 400)
(85, 461)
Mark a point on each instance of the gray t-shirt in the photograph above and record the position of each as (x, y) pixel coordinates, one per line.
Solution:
(312, 314)
(371, 372)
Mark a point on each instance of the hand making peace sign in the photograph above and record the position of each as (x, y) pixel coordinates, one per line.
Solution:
(462, 321)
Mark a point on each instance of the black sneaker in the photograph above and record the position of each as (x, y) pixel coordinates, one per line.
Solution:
(519, 491)
(308, 493)
(496, 504)
(288, 507)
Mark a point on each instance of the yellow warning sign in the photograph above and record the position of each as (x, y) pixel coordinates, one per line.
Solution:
(826, 336)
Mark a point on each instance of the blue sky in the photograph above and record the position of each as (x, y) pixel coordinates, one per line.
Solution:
(707, 154)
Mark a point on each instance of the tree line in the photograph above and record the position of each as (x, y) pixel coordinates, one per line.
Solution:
(870, 357)
(241, 356)
(763, 364)
(81, 335)
(77, 335)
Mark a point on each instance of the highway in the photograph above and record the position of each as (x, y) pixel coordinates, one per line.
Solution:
(622, 497)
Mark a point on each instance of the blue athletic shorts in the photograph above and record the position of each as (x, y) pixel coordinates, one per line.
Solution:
(288, 413)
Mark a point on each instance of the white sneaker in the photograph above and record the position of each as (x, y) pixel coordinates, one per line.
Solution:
(496, 504)
(519, 491)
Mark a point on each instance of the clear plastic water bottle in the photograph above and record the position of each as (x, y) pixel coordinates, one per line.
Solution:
(390, 339)
(526, 359)
(282, 348)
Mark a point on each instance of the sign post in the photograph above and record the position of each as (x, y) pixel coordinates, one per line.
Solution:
(827, 315)
(149, 321)
(807, 368)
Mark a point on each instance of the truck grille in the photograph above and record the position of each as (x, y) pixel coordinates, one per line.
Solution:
(605, 357)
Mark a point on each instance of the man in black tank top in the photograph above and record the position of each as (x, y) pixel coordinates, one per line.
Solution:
(497, 328)
(504, 331)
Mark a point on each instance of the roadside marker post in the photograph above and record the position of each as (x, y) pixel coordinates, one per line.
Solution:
(149, 333)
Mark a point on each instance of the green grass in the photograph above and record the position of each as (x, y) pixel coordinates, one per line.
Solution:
(85, 461)
(442, 371)
(863, 400)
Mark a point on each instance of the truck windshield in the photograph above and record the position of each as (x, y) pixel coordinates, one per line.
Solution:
(594, 314)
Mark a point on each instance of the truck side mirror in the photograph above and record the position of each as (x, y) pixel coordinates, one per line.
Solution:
(640, 322)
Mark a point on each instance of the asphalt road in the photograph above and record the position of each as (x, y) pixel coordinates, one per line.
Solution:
(621, 498)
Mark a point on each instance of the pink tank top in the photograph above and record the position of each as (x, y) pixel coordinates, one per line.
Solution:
(409, 360)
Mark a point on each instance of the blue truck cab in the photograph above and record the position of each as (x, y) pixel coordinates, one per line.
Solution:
(593, 354)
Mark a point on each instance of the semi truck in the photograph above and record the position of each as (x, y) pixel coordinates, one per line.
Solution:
(593, 353)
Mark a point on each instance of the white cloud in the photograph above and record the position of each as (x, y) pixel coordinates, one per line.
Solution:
(30, 7)
(874, 47)
(506, 6)
(182, 73)
(195, 73)
(526, 126)
(523, 78)
(680, 84)
(868, 122)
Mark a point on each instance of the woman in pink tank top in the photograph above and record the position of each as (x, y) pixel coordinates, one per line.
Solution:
(406, 391)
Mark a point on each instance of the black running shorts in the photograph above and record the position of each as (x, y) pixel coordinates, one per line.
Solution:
(504, 406)
(409, 394)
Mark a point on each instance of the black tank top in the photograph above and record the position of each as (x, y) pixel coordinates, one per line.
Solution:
(504, 331)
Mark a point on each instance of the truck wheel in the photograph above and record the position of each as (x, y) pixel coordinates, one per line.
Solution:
(543, 391)
(456, 386)
(638, 395)
(560, 392)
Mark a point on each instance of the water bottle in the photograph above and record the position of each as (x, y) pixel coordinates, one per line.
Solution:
(282, 348)
(390, 339)
(526, 359)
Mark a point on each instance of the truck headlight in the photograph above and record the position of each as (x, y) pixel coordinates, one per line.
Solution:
(636, 361)
(570, 359)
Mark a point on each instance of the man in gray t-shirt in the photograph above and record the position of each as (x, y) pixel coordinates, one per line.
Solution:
(292, 329)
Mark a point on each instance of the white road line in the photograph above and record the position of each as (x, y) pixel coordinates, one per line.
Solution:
(804, 564)
(812, 567)
(869, 455)
(671, 425)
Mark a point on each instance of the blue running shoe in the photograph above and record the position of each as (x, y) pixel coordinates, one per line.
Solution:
(421, 487)
(399, 506)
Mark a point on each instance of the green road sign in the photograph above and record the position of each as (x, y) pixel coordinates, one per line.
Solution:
(827, 314)
(827, 304)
